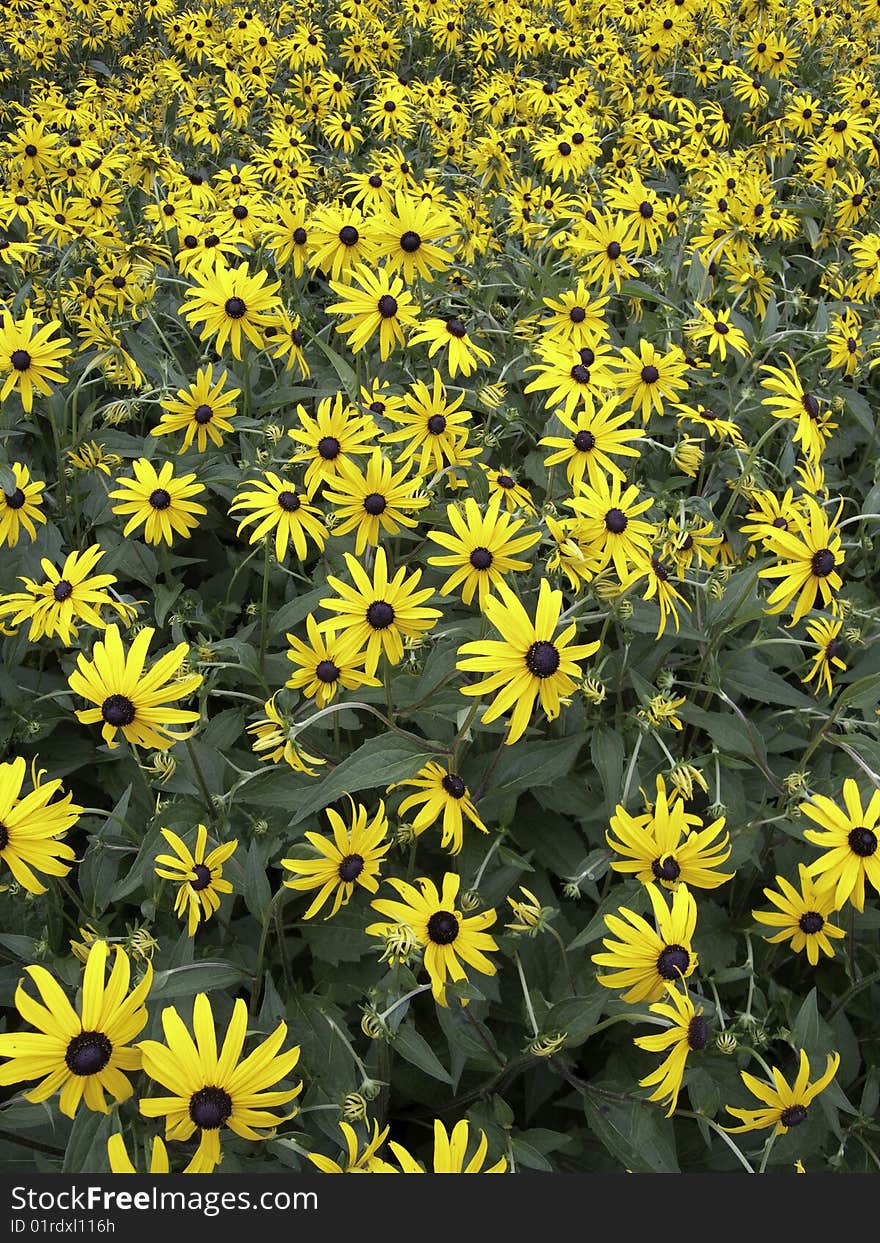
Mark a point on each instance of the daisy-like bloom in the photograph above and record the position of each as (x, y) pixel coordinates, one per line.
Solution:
(790, 400)
(379, 613)
(706, 418)
(688, 1033)
(693, 541)
(272, 737)
(229, 302)
(121, 1162)
(657, 574)
(339, 238)
(68, 595)
(482, 547)
(29, 826)
(440, 793)
(275, 505)
(325, 664)
(843, 342)
(332, 440)
(809, 559)
(451, 940)
(450, 1153)
(578, 318)
(595, 436)
(373, 302)
(568, 557)
(669, 846)
(407, 237)
(93, 456)
(603, 247)
(662, 710)
(199, 876)
(462, 355)
(825, 634)
(358, 1160)
(785, 1106)
(645, 961)
(353, 857)
(802, 917)
(432, 427)
(573, 377)
(717, 332)
(201, 411)
(29, 359)
(211, 1090)
(512, 494)
(610, 528)
(82, 1055)
(130, 698)
(22, 507)
(159, 502)
(770, 513)
(374, 500)
(849, 836)
(649, 378)
(529, 662)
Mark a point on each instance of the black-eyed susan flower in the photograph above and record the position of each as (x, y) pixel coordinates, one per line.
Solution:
(513, 495)
(602, 246)
(81, 1055)
(669, 846)
(408, 236)
(714, 330)
(228, 303)
(452, 335)
(809, 555)
(93, 456)
(21, 507)
(610, 528)
(790, 400)
(785, 1105)
(357, 1159)
(274, 740)
(352, 857)
(373, 302)
(432, 428)
(573, 377)
(374, 499)
(211, 1090)
(657, 574)
(826, 635)
(708, 419)
(158, 501)
(29, 359)
(440, 794)
(202, 411)
(567, 556)
(30, 826)
(130, 697)
(649, 378)
(647, 961)
(121, 1163)
(450, 1154)
(849, 836)
(331, 439)
(199, 876)
(481, 548)
(325, 664)
(688, 1032)
(577, 319)
(381, 612)
(530, 661)
(275, 505)
(802, 917)
(597, 437)
(67, 596)
(452, 941)
(339, 238)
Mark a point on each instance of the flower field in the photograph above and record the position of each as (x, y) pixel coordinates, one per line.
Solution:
(438, 592)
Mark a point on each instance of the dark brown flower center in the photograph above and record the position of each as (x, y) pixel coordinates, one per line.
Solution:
(793, 1116)
(410, 242)
(810, 403)
(88, 1053)
(117, 710)
(62, 590)
(380, 615)
(673, 961)
(14, 500)
(235, 308)
(20, 359)
(210, 1107)
(646, 211)
(823, 562)
(811, 922)
(577, 314)
(327, 671)
(584, 441)
(542, 659)
(698, 1033)
(443, 927)
(481, 558)
(289, 501)
(456, 328)
(329, 448)
(453, 785)
(437, 424)
(650, 374)
(349, 235)
(300, 236)
(387, 306)
(580, 374)
(613, 250)
(160, 498)
(375, 504)
(862, 841)
(202, 878)
(616, 521)
(505, 481)
(350, 868)
(203, 414)
(666, 868)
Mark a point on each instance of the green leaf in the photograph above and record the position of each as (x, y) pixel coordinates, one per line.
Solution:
(378, 762)
(195, 977)
(576, 1016)
(87, 1147)
(860, 694)
(340, 366)
(7, 480)
(256, 890)
(635, 1133)
(607, 751)
(416, 1050)
(536, 764)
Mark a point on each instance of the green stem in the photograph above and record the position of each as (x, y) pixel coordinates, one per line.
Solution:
(200, 778)
(740, 1156)
(264, 611)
